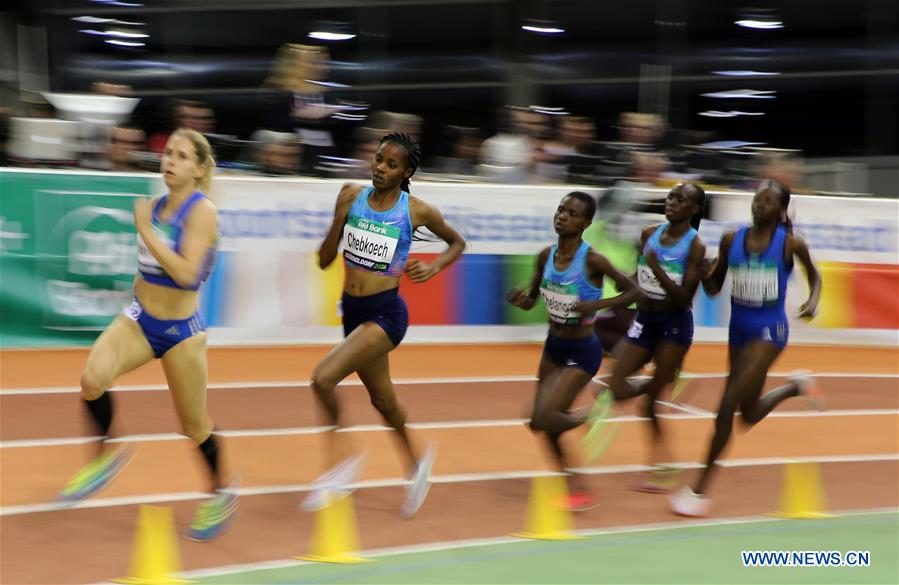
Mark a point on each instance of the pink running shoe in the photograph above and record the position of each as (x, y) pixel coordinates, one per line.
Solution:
(808, 388)
(581, 501)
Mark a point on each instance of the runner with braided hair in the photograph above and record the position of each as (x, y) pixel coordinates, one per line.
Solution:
(376, 226)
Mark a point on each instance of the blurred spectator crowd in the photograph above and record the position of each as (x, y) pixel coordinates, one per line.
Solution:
(301, 132)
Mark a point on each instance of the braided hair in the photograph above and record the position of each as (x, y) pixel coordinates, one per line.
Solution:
(413, 155)
(784, 192)
(701, 202)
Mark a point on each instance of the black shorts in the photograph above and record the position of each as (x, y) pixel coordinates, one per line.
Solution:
(651, 327)
(387, 309)
(584, 353)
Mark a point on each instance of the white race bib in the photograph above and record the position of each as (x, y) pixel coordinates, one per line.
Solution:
(560, 300)
(370, 244)
(145, 259)
(133, 310)
(755, 285)
(650, 284)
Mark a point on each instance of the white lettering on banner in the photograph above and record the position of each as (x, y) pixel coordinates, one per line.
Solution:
(295, 223)
(101, 253)
(496, 229)
(75, 299)
(11, 235)
(855, 238)
(498, 219)
(313, 224)
(301, 210)
(272, 227)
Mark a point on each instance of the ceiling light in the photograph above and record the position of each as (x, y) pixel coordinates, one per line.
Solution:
(125, 43)
(759, 24)
(550, 111)
(116, 3)
(115, 33)
(329, 36)
(97, 20)
(730, 114)
(744, 93)
(744, 73)
(546, 30)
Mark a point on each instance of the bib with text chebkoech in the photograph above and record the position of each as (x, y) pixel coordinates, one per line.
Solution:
(651, 285)
(370, 244)
(377, 241)
(672, 260)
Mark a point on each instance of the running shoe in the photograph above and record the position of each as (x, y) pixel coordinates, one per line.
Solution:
(94, 476)
(334, 482)
(601, 432)
(581, 501)
(418, 488)
(601, 409)
(685, 502)
(658, 480)
(808, 388)
(213, 516)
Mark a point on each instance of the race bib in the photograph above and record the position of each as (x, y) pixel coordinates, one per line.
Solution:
(755, 284)
(635, 330)
(370, 244)
(560, 300)
(650, 284)
(145, 259)
(133, 310)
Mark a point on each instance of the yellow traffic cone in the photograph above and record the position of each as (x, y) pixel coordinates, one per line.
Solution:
(155, 557)
(802, 494)
(548, 515)
(335, 535)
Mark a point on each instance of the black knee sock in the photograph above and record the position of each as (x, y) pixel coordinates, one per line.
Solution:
(210, 450)
(100, 411)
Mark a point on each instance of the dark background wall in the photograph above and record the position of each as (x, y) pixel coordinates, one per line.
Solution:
(456, 62)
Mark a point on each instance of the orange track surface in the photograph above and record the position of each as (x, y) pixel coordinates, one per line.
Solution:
(28, 368)
(93, 544)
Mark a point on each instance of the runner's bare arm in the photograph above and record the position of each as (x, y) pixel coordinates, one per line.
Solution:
(328, 250)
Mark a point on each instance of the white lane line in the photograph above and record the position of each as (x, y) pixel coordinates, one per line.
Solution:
(285, 385)
(304, 384)
(686, 408)
(689, 415)
(456, 478)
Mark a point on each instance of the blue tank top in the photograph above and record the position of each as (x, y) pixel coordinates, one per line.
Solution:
(170, 232)
(759, 281)
(562, 290)
(673, 261)
(377, 241)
